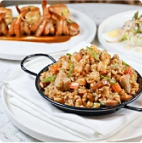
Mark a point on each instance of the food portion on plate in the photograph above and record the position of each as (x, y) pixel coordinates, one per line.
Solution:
(90, 78)
(131, 31)
(55, 21)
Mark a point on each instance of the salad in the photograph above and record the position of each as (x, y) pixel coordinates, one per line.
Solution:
(130, 31)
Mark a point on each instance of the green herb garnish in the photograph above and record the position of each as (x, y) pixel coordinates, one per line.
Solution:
(114, 66)
(112, 81)
(137, 30)
(109, 79)
(102, 103)
(68, 54)
(93, 54)
(136, 15)
(64, 12)
(50, 78)
(71, 69)
(124, 63)
(69, 21)
(96, 105)
(105, 77)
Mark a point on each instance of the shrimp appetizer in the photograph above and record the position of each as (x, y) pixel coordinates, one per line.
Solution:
(7, 15)
(55, 21)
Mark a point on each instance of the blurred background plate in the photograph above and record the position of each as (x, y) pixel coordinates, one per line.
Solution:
(14, 50)
(116, 22)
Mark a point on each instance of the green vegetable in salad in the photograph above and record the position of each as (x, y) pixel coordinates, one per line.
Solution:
(136, 15)
(136, 40)
(68, 54)
(137, 30)
(102, 103)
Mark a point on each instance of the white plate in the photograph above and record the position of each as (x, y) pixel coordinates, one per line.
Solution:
(132, 131)
(18, 50)
(116, 22)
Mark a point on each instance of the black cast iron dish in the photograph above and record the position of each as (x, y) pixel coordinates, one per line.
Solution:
(77, 110)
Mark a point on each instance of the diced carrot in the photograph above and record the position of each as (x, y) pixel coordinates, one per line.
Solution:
(74, 85)
(78, 57)
(116, 87)
(129, 71)
(54, 68)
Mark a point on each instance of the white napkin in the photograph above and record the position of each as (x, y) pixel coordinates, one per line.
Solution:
(21, 89)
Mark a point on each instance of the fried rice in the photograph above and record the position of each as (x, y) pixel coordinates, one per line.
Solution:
(90, 78)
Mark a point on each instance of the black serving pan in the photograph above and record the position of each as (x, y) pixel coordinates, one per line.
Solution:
(79, 110)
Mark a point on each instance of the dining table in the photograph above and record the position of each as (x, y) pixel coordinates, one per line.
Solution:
(98, 12)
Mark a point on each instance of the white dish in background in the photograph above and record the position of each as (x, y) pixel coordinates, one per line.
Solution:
(46, 132)
(14, 50)
(116, 22)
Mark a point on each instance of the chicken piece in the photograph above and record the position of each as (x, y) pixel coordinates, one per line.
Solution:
(105, 91)
(32, 14)
(102, 67)
(78, 67)
(105, 57)
(8, 15)
(66, 65)
(129, 25)
(93, 77)
(73, 58)
(66, 83)
(81, 81)
(124, 96)
(125, 82)
(58, 99)
(99, 84)
(62, 82)
(60, 10)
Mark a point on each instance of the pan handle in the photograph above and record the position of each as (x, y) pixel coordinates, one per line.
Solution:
(133, 108)
(31, 56)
